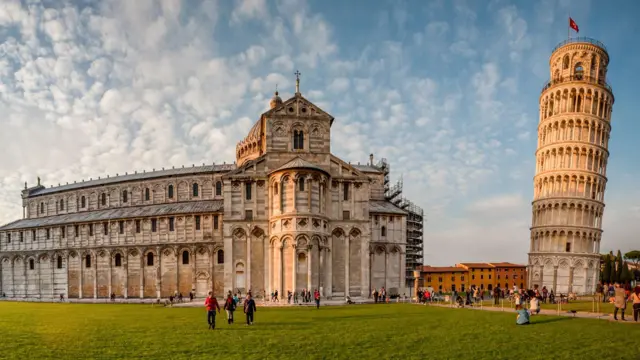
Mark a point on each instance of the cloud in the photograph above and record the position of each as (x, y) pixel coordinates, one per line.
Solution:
(447, 93)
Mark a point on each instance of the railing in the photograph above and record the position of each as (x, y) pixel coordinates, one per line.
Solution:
(581, 40)
(581, 78)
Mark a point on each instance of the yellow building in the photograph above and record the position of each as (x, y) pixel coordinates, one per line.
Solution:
(486, 276)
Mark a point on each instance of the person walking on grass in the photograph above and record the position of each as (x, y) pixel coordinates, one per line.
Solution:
(316, 297)
(211, 304)
(523, 316)
(249, 309)
(635, 298)
(620, 301)
(230, 307)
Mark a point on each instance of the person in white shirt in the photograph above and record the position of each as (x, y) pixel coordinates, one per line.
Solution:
(534, 307)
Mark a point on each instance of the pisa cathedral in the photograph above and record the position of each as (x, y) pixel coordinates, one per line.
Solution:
(571, 169)
(287, 215)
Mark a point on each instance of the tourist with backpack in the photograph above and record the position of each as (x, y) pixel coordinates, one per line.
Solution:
(230, 307)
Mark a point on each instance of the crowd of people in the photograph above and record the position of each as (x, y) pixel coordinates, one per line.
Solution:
(230, 305)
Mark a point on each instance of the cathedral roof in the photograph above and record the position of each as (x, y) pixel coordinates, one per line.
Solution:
(188, 207)
(385, 207)
(136, 176)
(299, 163)
(367, 168)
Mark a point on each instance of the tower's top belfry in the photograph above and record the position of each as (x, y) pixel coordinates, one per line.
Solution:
(579, 59)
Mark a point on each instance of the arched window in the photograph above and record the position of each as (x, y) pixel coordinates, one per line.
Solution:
(301, 183)
(170, 192)
(383, 231)
(565, 62)
(195, 190)
(275, 189)
(41, 208)
(150, 259)
(118, 260)
(87, 261)
(83, 202)
(185, 257)
(32, 264)
(298, 139)
(593, 62)
(220, 257)
(125, 196)
(219, 188)
(103, 199)
(61, 204)
(578, 72)
(147, 194)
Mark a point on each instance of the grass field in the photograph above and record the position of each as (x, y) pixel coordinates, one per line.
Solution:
(395, 331)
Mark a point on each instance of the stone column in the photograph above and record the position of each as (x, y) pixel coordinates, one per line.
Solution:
(329, 272)
(81, 276)
(267, 266)
(269, 271)
(309, 262)
(294, 267)
(571, 279)
(53, 290)
(386, 267)
(587, 290)
(347, 261)
(141, 258)
(193, 269)
(38, 277)
(95, 277)
(159, 274)
(555, 278)
(26, 282)
(212, 264)
(370, 273)
(110, 271)
(178, 257)
(321, 254)
(280, 270)
(248, 267)
(125, 263)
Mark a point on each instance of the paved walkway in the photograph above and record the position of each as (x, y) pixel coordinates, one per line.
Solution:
(578, 314)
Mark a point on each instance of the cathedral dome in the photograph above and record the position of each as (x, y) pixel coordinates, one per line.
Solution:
(275, 101)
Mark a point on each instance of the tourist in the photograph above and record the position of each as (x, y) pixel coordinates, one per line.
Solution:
(375, 295)
(600, 291)
(316, 296)
(295, 297)
(523, 316)
(61, 297)
(534, 305)
(289, 296)
(249, 309)
(211, 303)
(275, 297)
(236, 299)
(552, 297)
(496, 295)
(620, 302)
(190, 296)
(517, 299)
(229, 307)
(635, 298)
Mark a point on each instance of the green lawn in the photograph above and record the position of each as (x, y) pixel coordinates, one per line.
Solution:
(387, 331)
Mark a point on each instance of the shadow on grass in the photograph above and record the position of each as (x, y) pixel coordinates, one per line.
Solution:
(550, 320)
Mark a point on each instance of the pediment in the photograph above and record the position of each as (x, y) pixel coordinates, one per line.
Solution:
(342, 167)
(301, 108)
(249, 168)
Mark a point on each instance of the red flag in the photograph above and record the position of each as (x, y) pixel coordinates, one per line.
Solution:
(573, 25)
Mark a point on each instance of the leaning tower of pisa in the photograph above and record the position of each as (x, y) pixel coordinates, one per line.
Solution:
(571, 169)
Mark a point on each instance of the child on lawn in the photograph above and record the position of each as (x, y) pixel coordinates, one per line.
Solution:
(523, 316)
(535, 306)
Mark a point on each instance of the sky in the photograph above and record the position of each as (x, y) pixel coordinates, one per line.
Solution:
(446, 91)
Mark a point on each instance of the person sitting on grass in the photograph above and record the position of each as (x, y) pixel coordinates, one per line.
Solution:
(535, 305)
(523, 315)
(460, 301)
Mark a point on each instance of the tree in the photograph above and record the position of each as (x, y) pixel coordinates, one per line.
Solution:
(606, 273)
(620, 266)
(625, 274)
(633, 256)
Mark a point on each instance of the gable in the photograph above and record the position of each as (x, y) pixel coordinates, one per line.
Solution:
(341, 168)
(300, 108)
(249, 168)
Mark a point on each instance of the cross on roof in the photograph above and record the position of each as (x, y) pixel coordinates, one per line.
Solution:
(297, 74)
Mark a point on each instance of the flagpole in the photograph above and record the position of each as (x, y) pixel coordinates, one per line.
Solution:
(569, 28)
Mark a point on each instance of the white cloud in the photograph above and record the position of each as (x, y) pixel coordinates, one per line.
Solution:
(249, 9)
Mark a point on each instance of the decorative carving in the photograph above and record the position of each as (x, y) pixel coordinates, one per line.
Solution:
(260, 183)
(235, 184)
(167, 252)
(357, 185)
(302, 223)
(286, 223)
(316, 223)
(201, 251)
(134, 252)
(334, 184)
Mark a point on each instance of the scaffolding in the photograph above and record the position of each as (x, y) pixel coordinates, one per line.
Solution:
(415, 221)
